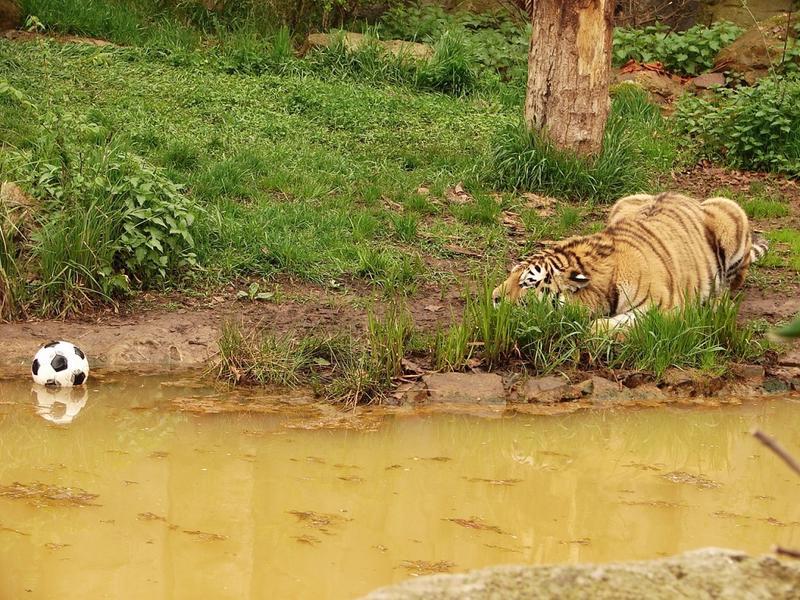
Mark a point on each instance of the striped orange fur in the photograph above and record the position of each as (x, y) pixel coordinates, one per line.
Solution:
(659, 251)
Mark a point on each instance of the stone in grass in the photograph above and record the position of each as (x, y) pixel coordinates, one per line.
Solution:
(790, 359)
(465, 388)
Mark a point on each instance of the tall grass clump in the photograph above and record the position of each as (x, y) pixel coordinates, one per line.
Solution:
(345, 368)
(703, 336)
(120, 22)
(544, 337)
(451, 69)
(635, 144)
(11, 273)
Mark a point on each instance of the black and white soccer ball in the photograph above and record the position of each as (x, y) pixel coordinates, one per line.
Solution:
(60, 364)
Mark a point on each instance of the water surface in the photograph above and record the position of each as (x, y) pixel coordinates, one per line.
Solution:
(251, 506)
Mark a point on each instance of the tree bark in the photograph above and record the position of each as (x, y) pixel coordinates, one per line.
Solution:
(569, 65)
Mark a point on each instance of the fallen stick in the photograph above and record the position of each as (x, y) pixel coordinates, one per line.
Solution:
(777, 449)
(787, 551)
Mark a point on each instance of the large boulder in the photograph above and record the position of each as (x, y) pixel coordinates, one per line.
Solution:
(702, 574)
(10, 15)
(356, 41)
(735, 11)
(756, 50)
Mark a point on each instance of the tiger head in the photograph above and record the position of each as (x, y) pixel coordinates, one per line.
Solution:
(550, 275)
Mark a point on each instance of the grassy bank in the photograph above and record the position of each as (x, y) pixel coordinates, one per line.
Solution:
(534, 337)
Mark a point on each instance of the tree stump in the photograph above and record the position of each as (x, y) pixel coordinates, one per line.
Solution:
(569, 66)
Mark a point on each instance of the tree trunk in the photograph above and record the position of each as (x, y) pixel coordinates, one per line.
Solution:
(569, 64)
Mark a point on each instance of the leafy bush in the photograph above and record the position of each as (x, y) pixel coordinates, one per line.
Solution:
(754, 128)
(688, 52)
(108, 216)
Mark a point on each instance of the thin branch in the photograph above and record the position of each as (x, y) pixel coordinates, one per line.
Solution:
(787, 551)
(777, 449)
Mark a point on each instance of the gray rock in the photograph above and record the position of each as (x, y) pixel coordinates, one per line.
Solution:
(708, 80)
(545, 389)
(601, 389)
(465, 388)
(705, 574)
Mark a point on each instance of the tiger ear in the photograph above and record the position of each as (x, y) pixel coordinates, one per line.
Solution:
(579, 279)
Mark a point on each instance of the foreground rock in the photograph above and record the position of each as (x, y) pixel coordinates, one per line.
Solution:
(357, 41)
(701, 574)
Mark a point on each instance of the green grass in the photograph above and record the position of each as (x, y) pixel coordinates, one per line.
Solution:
(759, 202)
(784, 249)
(544, 338)
(637, 144)
(345, 369)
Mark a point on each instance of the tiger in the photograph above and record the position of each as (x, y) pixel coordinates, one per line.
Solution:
(655, 251)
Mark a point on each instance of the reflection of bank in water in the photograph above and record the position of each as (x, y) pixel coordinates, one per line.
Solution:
(59, 405)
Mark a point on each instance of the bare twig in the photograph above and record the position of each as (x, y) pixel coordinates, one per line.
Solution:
(787, 551)
(786, 41)
(777, 449)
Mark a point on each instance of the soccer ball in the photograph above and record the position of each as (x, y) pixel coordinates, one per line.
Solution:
(60, 364)
(59, 405)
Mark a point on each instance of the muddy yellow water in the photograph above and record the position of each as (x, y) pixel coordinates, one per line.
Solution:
(116, 494)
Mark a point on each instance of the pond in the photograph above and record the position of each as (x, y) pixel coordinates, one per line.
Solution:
(117, 492)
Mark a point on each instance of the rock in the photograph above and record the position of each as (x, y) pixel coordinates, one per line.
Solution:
(10, 15)
(411, 393)
(465, 388)
(750, 372)
(700, 574)
(661, 88)
(601, 389)
(707, 80)
(356, 41)
(545, 389)
(773, 385)
(735, 11)
(753, 53)
(790, 359)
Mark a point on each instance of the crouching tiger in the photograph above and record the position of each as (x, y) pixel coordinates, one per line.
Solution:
(661, 251)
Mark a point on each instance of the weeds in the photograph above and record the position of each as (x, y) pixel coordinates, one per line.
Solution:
(345, 370)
